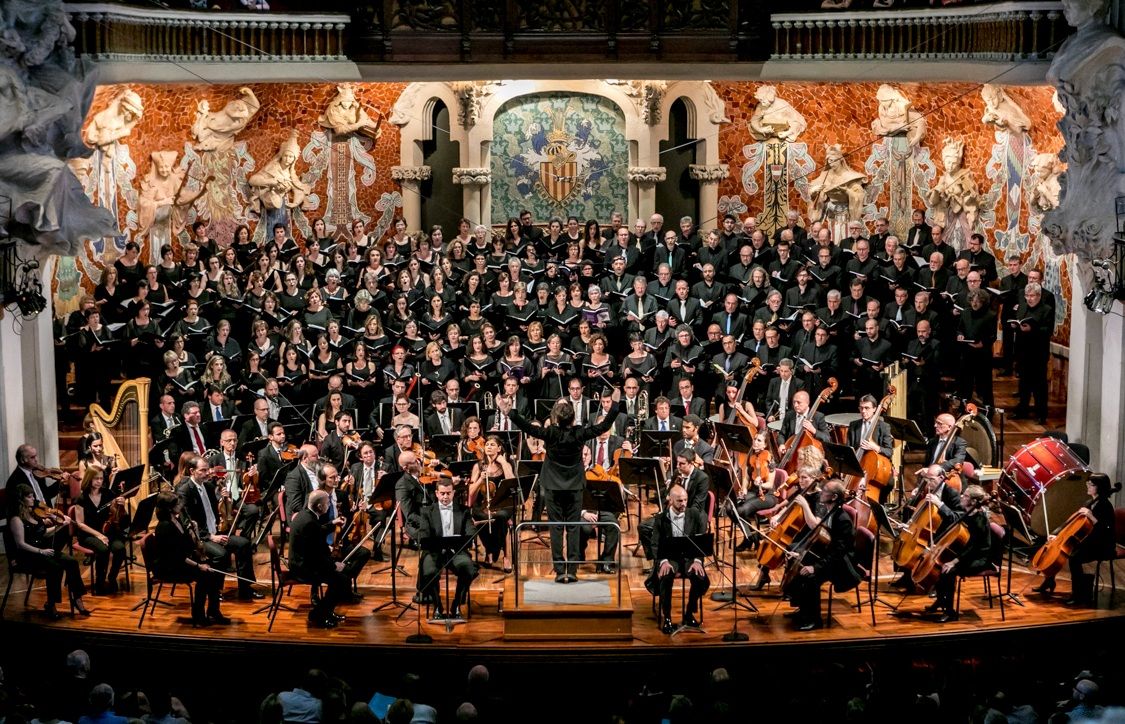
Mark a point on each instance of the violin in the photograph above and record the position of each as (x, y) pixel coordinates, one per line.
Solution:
(116, 520)
(47, 514)
(475, 447)
(250, 492)
(289, 453)
(40, 471)
(537, 448)
(226, 515)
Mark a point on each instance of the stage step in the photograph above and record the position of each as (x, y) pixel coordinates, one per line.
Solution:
(547, 621)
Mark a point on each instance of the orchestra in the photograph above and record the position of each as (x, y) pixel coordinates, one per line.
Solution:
(288, 386)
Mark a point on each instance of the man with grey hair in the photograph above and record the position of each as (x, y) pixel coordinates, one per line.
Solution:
(310, 560)
(792, 225)
(1034, 323)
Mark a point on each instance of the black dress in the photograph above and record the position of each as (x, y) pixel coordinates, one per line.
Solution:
(53, 568)
(111, 555)
(172, 547)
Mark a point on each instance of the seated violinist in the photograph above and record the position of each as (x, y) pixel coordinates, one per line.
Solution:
(342, 439)
(1098, 545)
(310, 560)
(978, 554)
(691, 440)
(35, 550)
(230, 487)
(677, 520)
(341, 533)
(493, 520)
(102, 523)
(365, 473)
(756, 490)
(934, 483)
(176, 557)
(834, 562)
(612, 533)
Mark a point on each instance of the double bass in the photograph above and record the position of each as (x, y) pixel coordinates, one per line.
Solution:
(877, 469)
(802, 438)
(953, 477)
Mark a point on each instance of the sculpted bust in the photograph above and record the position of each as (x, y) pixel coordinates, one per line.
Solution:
(344, 114)
(278, 183)
(839, 184)
(216, 131)
(115, 121)
(897, 116)
(1003, 112)
(956, 191)
(1044, 194)
(774, 117)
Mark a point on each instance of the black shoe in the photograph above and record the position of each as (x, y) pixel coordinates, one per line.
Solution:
(795, 613)
(355, 598)
(571, 578)
(763, 579)
(744, 546)
(1078, 601)
(667, 626)
(250, 595)
(948, 616)
(338, 617)
(51, 612)
(903, 581)
(377, 555)
(1047, 587)
(689, 620)
(607, 568)
(562, 578)
(456, 614)
(1018, 414)
(811, 625)
(932, 608)
(200, 621)
(323, 623)
(219, 619)
(81, 610)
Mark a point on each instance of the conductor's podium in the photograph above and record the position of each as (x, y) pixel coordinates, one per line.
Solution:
(595, 608)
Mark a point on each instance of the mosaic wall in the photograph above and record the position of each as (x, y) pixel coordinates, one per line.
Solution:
(349, 177)
(560, 154)
(842, 114)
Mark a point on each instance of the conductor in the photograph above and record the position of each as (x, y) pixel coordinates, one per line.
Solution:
(563, 478)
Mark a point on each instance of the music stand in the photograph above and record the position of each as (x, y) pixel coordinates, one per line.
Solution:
(444, 446)
(129, 478)
(642, 472)
(157, 452)
(542, 409)
(909, 433)
(138, 526)
(603, 496)
(701, 546)
(723, 486)
(253, 447)
(882, 523)
(842, 459)
(1013, 516)
(468, 408)
(384, 492)
(657, 443)
(509, 439)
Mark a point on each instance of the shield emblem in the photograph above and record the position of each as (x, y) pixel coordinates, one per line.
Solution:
(558, 178)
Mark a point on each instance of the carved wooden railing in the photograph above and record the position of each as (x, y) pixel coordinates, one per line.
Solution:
(998, 32)
(121, 32)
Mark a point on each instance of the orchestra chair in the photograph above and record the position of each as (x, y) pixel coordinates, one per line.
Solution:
(864, 551)
(77, 547)
(1119, 553)
(282, 581)
(152, 600)
(16, 569)
(998, 533)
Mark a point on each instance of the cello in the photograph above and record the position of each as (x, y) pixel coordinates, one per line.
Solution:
(949, 546)
(790, 524)
(877, 470)
(801, 438)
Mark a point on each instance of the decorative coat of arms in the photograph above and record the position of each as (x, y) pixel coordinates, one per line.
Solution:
(560, 166)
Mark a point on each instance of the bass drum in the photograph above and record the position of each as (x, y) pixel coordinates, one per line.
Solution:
(1047, 481)
(980, 441)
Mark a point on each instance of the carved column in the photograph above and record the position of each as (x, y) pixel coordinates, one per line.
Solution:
(475, 182)
(708, 176)
(410, 178)
(642, 189)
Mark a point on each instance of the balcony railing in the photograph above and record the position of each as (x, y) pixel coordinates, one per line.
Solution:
(998, 32)
(120, 32)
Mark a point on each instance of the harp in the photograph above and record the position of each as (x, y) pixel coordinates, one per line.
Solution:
(124, 427)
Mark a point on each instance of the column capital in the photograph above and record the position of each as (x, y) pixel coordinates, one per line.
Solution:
(647, 174)
(708, 173)
(411, 173)
(472, 176)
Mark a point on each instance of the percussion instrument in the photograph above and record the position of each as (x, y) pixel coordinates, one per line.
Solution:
(839, 422)
(1047, 481)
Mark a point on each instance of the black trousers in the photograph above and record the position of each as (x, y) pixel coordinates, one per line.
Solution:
(494, 537)
(804, 595)
(697, 586)
(975, 373)
(429, 580)
(243, 553)
(748, 509)
(108, 559)
(612, 537)
(564, 506)
(53, 569)
(208, 584)
(1033, 382)
(337, 587)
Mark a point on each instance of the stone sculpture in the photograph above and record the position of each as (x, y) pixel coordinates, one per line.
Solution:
(345, 115)
(1003, 112)
(278, 186)
(162, 200)
(216, 131)
(1044, 190)
(839, 187)
(115, 121)
(897, 117)
(956, 191)
(774, 117)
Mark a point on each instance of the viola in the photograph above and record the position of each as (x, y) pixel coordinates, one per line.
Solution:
(289, 453)
(47, 514)
(475, 447)
(116, 520)
(250, 492)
